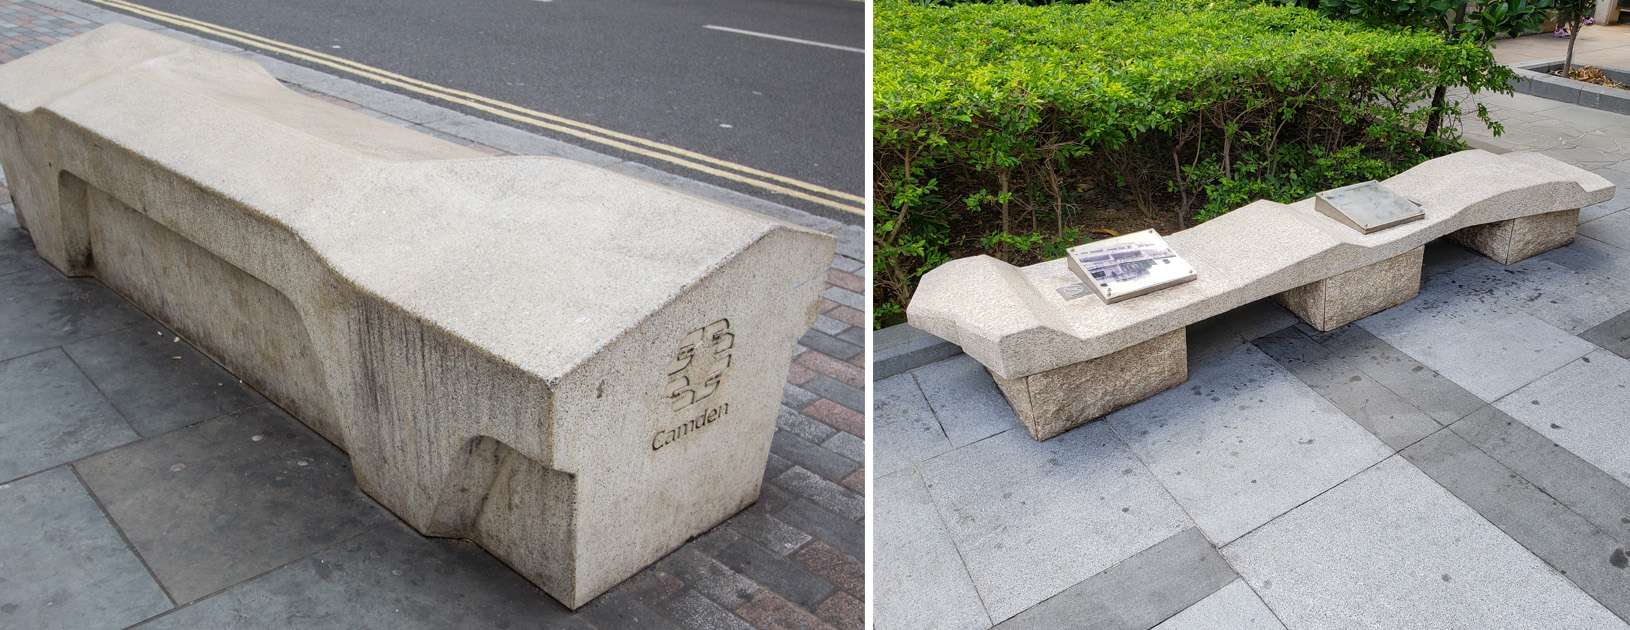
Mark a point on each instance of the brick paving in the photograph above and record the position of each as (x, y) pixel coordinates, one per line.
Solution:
(167, 554)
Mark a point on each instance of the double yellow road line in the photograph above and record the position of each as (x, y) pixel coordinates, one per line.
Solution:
(691, 160)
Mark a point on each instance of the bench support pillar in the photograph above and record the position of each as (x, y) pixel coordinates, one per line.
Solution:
(1347, 297)
(1513, 240)
(1055, 401)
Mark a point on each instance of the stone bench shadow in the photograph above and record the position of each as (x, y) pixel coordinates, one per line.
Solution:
(1062, 360)
(577, 370)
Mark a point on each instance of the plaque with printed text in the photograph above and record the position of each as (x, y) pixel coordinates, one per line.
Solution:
(1129, 266)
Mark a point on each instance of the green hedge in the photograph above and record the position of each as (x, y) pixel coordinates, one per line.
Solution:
(990, 119)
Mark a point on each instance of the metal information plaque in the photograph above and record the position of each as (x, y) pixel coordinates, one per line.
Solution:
(1367, 207)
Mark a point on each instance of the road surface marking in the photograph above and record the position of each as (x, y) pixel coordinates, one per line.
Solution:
(633, 144)
(783, 38)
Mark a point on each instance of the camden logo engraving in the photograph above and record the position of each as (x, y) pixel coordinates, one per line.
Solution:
(696, 373)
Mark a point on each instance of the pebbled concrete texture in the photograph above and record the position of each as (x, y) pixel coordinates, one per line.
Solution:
(1031, 518)
(1454, 569)
(57, 542)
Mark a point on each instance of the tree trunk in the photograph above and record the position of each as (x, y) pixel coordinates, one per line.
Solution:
(1573, 36)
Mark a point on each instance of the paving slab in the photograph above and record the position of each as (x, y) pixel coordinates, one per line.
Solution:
(1424, 388)
(1613, 229)
(157, 380)
(1139, 592)
(1237, 327)
(904, 429)
(16, 250)
(1588, 556)
(222, 501)
(1566, 298)
(62, 565)
(53, 415)
(1233, 607)
(388, 577)
(1564, 476)
(1419, 557)
(919, 580)
(1588, 254)
(1612, 335)
(1244, 441)
(1033, 518)
(1485, 345)
(1396, 421)
(1581, 407)
(45, 310)
(965, 400)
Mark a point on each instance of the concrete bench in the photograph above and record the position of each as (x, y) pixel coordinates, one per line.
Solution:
(1062, 360)
(575, 369)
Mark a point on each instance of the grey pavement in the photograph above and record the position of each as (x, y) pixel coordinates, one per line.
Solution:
(1458, 461)
(142, 485)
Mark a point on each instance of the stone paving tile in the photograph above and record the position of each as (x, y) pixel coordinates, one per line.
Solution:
(1461, 336)
(1369, 403)
(1243, 441)
(1564, 476)
(16, 250)
(965, 400)
(157, 380)
(220, 502)
(53, 415)
(824, 493)
(1420, 557)
(917, 575)
(1234, 607)
(62, 565)
(842, 533)
(1562, 538)
(1226, 332)
(1612, 335)
(905, 429)
(768, 610)
(1139, 592)
(1613, 229)
(812, 456)
(1032, 518)
(1588, 254)
(785, 576)
(45, 309)
(1566, 298)
(829, 345)
(388, 577)
(1581, 407)
(1423, 387)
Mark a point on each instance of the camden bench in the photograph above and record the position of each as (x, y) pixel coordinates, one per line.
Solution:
(1063, 357)
(573, 368)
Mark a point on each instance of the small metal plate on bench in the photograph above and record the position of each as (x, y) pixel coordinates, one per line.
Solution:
(1367, 207)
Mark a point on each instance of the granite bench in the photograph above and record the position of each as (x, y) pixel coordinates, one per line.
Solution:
(1063, 357)
(575, 369)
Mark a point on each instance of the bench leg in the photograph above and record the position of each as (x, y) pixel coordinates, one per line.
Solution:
(1061, 399)
(1516, 239)
(1347, 297)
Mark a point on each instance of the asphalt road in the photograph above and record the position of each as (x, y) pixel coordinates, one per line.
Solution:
(649, 68)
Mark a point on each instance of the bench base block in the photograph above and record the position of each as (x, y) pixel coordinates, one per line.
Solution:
(1513, 240)
(1061, 399)
(1347, 297)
